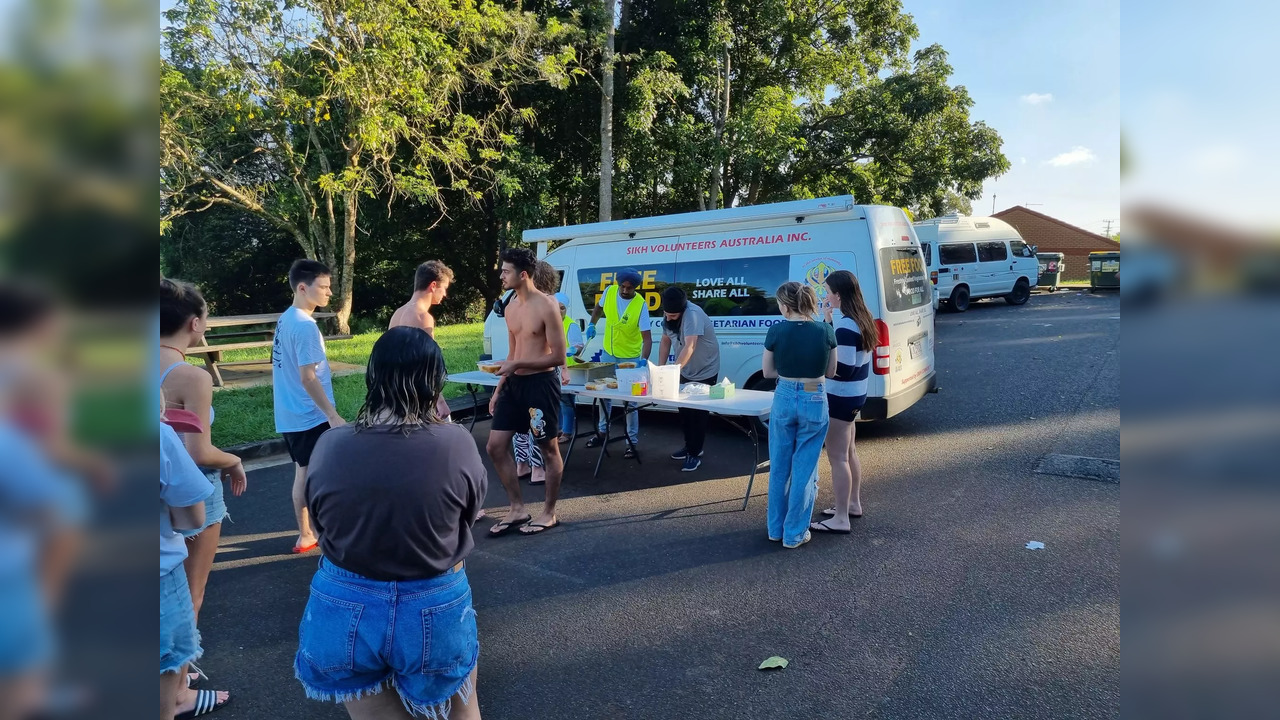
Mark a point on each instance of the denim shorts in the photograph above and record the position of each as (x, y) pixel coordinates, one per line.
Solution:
(215, 506)
(359, 636)
(26, 637)
(179, 640)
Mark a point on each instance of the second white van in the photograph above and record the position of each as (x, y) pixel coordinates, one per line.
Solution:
(977, 257)
(731, 261)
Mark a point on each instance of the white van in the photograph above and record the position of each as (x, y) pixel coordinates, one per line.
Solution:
(977, 257)
(731, 261)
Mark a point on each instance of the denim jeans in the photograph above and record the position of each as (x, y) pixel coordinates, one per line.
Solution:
(568, 418)
(179, 639)
(633, 417)
(358, 636)
(797, 427)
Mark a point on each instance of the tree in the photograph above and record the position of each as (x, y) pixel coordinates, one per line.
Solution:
(606, 115)
(952, 202)
(296, 112)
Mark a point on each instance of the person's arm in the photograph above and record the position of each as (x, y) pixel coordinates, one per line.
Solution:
(664, 349)
(833, 351)
(429, 324)
(502, 377)
(187, 518)
(832, 362)
(315, 390)
(647, 337)
(197, 388)
(477, 481)
(766, 365)
(596, 312)
(690, 342)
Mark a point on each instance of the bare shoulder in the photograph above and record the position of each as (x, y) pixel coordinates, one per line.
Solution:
(186, 380)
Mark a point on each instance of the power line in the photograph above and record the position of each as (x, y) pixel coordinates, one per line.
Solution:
(1108, 223)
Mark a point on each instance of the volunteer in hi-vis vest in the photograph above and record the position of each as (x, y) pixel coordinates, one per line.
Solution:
(627, 337)
(573, 343)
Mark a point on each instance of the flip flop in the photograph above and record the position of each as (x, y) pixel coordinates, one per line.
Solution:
(537, 527)
(504, 526)
(306, 548)
(822, 527)
(206, 702)
(831, 512)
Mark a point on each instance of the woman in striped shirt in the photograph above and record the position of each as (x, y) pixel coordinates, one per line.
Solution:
(846, 392)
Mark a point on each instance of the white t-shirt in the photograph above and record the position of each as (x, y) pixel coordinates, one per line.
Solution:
(298, 342)
(181, 485)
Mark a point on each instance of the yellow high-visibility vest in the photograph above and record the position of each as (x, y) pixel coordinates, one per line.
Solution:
(622, 334)
(568, 323)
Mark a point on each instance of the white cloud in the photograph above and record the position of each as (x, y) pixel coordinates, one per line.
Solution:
(1037, 98)
(1078, 155)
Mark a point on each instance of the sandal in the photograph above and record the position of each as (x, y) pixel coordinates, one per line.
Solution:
(564, 438)
(206, 702)
(831, 512)
(595, 441)
(505, 525)
(631, 453)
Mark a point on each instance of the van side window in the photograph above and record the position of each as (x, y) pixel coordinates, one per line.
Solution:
(992, 251)
(1020, 249)
(928, 253)
(956, 254)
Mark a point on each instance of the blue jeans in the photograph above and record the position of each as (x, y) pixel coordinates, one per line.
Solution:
(797, 428)
(568, 420)
(215, 506)
(359, 636)
(633, 417)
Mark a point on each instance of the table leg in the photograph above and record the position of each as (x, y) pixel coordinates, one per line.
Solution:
(475, 406)
(573, 438)
(635, 452)
(755, 443)
(604, 446)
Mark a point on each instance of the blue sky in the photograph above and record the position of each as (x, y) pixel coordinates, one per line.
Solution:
(1046, 76)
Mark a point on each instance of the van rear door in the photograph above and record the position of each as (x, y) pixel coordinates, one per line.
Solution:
(905, 358)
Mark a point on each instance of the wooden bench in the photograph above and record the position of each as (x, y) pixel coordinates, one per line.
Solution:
(212, 352)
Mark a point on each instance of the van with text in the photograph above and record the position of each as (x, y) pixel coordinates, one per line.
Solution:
(730, 262)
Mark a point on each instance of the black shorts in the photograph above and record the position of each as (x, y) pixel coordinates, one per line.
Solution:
(529, 404)
(301, 443)
(844, 408)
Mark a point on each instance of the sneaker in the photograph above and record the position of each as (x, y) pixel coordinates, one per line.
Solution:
(691, 463)
(803, 540)
(596, 440)
(683, 453)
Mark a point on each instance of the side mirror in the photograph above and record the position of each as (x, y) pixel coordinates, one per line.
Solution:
(1035, 249)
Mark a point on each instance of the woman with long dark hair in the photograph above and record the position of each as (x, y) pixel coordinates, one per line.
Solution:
(856, 334)
(389, 624)
(800, 353)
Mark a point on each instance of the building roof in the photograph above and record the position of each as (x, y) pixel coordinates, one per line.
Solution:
(1051, 234)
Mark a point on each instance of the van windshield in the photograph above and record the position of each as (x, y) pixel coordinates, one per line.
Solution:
(905, 284)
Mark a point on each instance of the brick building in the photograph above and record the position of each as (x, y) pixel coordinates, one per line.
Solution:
(1050, 234)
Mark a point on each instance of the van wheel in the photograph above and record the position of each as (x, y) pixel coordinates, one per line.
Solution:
(1021, 293)
(959, 298)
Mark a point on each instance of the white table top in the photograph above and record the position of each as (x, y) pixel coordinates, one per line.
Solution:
(747, 403)
(477, 377)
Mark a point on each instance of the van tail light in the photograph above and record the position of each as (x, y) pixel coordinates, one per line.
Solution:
(933, 275)
(881, 362)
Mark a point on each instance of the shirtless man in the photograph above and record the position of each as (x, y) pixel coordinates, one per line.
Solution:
(430, 287)
(527, 398)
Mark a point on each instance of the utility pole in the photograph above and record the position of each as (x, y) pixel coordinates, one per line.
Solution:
(1108, 222)
(993, 203)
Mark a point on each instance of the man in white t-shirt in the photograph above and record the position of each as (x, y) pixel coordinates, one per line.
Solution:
(302, 382)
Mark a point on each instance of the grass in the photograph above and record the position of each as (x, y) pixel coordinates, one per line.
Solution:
(247, 414)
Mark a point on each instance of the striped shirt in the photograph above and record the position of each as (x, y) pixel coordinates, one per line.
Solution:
(853, 362)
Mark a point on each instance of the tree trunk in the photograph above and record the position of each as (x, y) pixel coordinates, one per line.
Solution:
(606, 117)
(753, 192)
(718, 155)
(347, 271)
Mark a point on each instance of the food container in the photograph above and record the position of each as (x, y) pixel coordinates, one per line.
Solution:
(489, 366)
(639, 388)
(581, 373)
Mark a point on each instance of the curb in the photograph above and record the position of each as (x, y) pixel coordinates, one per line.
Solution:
(458, 407)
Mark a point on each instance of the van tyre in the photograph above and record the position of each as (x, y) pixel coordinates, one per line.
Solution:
(1021, 293)
(959, 299)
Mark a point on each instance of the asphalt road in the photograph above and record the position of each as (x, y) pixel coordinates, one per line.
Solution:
(658, 596)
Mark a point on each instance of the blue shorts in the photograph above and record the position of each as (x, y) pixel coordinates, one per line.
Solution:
(179, 640)
(215, 506)
(26, 637)
(359, 636)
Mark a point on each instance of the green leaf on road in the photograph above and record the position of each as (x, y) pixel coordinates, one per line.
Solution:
(773, 663)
